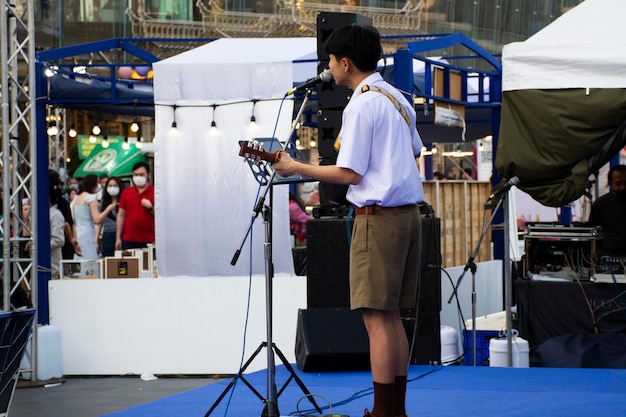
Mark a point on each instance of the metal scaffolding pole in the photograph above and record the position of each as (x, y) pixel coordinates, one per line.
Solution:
(19, 150)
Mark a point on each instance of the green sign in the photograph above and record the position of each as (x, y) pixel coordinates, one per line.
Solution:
(114, 160)
(85, 146)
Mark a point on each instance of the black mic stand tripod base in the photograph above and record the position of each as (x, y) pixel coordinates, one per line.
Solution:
(271, 401)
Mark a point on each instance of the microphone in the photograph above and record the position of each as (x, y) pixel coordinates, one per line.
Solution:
(503, 187)
(323, 77)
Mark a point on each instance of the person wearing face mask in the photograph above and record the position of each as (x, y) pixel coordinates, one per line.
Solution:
(135, 217)
(86, 216)
(608, 211)
(110, 195)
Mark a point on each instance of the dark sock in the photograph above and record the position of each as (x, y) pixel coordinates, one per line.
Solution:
(399, 396)
(383, 400)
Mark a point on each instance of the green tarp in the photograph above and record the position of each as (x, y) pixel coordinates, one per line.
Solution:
(115, 161)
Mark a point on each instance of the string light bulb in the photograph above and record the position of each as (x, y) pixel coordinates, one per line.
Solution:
(92, 139)
(174, 117)
(134, 127)
(72, 132)
(96, 129)
(105, 141)
(52, 130)
(253, 117)
(213, 124)
(126, 145)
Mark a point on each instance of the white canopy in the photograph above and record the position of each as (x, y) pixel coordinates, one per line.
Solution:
(205, 192)
(584, 48)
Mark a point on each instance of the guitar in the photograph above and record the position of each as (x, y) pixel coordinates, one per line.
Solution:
(255, 151)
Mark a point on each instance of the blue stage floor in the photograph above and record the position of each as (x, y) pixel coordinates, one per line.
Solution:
(432, 391)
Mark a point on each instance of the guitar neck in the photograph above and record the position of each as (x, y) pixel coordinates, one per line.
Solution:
(247, 150)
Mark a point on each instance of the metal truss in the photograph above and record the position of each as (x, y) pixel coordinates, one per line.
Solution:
(19, 150)
(57, 144)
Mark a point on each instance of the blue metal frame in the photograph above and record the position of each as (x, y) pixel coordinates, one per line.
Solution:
(403, 79)
(54, 57)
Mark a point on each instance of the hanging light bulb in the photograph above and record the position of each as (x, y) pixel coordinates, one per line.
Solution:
(92, 139)
(134, 127)
(52, 130)
(252, 117)
(139, 143)
(105, 141)
(174, 117)
(126, 145)
(96, 129)
(434, 149)
(72, 133)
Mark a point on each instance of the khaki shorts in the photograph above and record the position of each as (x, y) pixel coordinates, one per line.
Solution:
(385, 258)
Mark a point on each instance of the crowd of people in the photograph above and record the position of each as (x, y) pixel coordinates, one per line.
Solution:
(92, 217)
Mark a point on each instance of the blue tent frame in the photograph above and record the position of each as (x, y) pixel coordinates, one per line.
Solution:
(130, 97)
(114, 96)
(488, 104)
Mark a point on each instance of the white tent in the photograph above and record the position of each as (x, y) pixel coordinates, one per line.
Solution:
(584, 48)
(205, 193)
(564, 102)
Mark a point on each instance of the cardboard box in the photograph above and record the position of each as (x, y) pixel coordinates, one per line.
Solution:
(125, 267)
(81, 269)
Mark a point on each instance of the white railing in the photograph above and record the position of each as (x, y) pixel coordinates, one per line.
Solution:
(290, 19)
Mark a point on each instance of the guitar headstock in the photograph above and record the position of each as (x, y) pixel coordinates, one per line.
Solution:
(254, 150)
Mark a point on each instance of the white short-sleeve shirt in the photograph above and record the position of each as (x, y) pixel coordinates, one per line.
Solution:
(377, 143)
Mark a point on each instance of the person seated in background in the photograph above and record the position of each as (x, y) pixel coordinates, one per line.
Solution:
(297, 220)
(608, 211)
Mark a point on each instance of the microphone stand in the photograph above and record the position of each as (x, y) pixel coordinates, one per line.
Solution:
(271, 400)
(470, 265)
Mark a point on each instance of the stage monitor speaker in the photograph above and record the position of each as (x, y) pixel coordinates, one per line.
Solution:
(331, 339)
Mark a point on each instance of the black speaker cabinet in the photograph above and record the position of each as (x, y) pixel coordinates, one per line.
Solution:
(331, 339)
(327, 22)
(328, 263)
(427, 346)
(331, 96)
(328, 127)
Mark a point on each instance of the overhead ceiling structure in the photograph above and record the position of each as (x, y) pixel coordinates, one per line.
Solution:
(564, 102)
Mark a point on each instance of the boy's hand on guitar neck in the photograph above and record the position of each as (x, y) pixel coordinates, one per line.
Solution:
(283, 163)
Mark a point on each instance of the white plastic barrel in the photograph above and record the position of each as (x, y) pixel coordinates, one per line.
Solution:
(449, 344)
(498, 352)
(49, 354)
